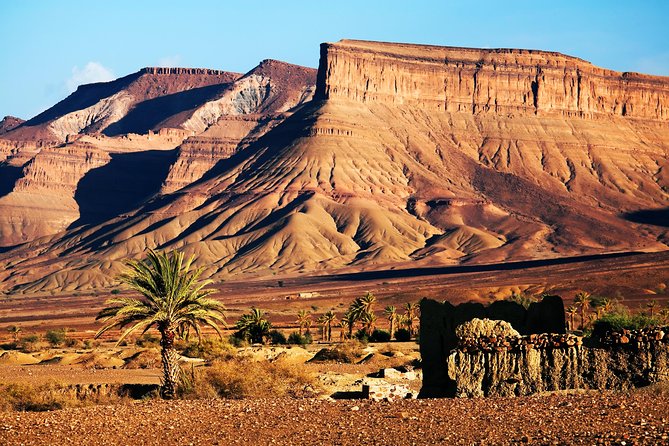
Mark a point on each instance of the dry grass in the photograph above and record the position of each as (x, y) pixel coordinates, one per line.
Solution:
(51, 396)
(238, 378)
(348, 352)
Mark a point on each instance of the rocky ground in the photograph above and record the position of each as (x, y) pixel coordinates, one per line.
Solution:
(585, 418)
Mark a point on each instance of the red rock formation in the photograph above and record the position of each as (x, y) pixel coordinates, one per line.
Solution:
(10, 123)
(480, 80)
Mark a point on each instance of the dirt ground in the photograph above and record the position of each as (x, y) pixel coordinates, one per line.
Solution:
(567, 419)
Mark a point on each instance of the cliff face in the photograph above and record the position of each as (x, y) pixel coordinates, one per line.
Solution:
(498, 81)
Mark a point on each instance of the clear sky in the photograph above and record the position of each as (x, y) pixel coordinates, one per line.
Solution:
(49, 47)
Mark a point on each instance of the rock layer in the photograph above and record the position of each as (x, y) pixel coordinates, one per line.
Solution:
(479, 80)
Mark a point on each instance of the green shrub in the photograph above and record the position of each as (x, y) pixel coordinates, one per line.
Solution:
(72, 343)
(380, 336)
(238, 341)
(115, 291)
(297, 339)
(362, 336)
(622, 320)
(55, 337)
(402, 335)
(277, 338)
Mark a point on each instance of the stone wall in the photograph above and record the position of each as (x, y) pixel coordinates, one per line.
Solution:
(527, 371)
(439, 320)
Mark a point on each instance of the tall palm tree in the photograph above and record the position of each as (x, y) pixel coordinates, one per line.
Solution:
(582, 300)
(174, 302)
(343, 324)
(253, 326)
(350, 318)
(411, 313)
(391, 314)
(303, 319)
(321, 322)
(14, 330)
(328, 319)
(572, 311)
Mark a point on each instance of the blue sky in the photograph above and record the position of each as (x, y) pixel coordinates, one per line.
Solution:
(49, 47)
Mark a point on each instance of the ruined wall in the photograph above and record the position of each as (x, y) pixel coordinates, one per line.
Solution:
(438, 322)
(486, 80)
(528, 371)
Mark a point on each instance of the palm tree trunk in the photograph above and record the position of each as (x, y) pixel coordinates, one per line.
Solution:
(329, 331)
(170, 364)
(392, 326)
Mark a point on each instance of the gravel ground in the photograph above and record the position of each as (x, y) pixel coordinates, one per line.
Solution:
(592, 418)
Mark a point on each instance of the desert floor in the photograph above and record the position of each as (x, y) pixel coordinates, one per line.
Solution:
(592, 418)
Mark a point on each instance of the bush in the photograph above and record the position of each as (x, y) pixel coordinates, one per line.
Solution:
(622, 320)
(277, 338)
(402, 335)
(115, 291)
(147, 340)
(361, 335)
(380, 336)
(349, 352)
(296, 339)
(55, 337)
(72, 343)
(29, 343)
(239, 378)
(43, 397)
(209, 348)
(237, 341)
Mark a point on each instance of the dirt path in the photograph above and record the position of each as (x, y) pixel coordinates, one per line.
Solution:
(594, 418)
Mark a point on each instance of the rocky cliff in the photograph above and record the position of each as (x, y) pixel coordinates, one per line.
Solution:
(499, 81)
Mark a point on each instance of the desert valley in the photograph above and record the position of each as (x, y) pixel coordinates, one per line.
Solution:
(322, 205)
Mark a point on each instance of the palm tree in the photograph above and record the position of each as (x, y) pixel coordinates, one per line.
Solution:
(343, 324)
(303, 319)
(253, 326)
(321, 321)
(328, 319)
(572, 311)
(652, 305)
(14, 330)
(391, 314)
(174, 302)
(350, 319)
(411, 314)
(368, 323)
(582, 300)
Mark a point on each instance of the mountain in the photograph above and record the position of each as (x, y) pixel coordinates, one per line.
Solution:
(85, 159)
(9, 123)
(407, 155)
